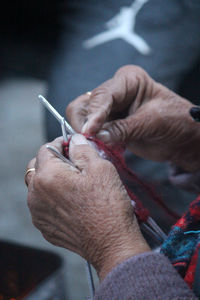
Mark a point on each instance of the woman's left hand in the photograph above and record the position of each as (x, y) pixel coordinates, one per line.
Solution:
(84, 208)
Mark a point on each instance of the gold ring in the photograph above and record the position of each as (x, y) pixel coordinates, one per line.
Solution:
(27, 172)
(89, 93)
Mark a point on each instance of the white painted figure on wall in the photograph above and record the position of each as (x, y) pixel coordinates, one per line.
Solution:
(122, 26)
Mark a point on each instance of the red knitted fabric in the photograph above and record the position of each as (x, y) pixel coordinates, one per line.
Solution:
(190, 274)
(115, 155)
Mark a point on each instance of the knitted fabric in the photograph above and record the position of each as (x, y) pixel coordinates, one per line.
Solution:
(182, 247)
(129, 178)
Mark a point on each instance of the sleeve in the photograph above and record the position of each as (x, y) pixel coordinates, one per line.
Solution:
(146, 276)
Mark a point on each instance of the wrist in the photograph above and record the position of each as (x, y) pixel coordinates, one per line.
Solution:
(119, 251)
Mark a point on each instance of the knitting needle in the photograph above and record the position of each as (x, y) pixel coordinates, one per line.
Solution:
(156, 228)
(153, 228)
(64, 130)
(55, 113)
(68, 128)
(88, 266)
(90, 279)
(59, 155)
(151, 232)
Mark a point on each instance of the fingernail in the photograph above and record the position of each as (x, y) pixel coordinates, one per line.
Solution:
(79, 139)
(104, 136)
(195, 113)
(84, 128)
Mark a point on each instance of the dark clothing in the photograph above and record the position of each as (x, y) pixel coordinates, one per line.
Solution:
(170, 28)
(149, 276)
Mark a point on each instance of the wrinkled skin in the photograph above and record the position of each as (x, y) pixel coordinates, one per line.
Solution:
(150, 119)
(85, 209)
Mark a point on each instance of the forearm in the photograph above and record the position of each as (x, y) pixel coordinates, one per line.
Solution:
(146, 276)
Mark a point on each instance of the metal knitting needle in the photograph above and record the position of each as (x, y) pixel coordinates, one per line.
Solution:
(150, 231)
(88, 266)
(54, 112)
(90, 279)
(156, 228)
(68, 128)
(59, 155)
(64, 130)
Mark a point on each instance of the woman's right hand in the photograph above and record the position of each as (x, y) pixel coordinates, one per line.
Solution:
(150, 119)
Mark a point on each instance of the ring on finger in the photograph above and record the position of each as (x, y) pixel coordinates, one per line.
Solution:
(27, 172)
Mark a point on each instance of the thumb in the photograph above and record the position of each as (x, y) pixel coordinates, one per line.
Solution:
(81, 153)
(123, 130)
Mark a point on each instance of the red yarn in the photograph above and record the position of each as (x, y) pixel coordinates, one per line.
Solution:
(115, 155)
(190, 274)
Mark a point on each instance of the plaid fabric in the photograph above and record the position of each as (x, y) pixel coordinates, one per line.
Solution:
(181, 247)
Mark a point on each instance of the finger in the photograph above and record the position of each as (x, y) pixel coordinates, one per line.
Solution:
(31, 164)
(81, 153)
(30, 171)
(57, 143)
(124, 130)
(88, 112)
(45, 157)
(77, 112)
(102, 103)
(114, 95)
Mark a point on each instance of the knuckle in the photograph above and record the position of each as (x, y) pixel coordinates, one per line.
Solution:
(40, 153)
(70, 108)
(101, 90)
(38, 181)
(120, 129)
(131, 69)
(138, 70)
(102, 101)
(85, 153)
(42, 148)
(76, 104)
(81, 155)
(30, 164)
(97, 164)
(43, 180)
(103, 166)
(102, 93)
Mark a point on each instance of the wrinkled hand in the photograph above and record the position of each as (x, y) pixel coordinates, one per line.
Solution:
(151, 120)
(84, 208)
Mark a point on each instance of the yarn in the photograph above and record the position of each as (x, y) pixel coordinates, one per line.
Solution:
(115, 155)
(182, 248)
(192, 231)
